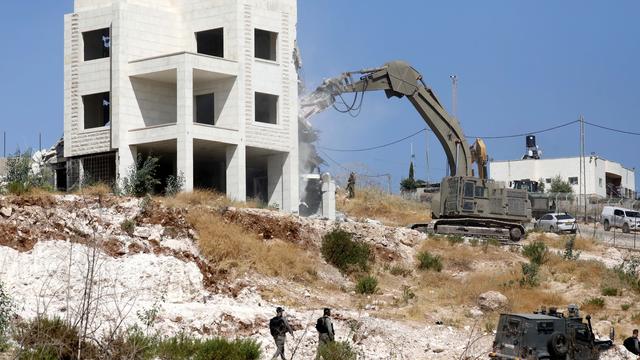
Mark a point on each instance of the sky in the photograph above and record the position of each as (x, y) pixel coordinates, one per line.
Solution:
(521, 66)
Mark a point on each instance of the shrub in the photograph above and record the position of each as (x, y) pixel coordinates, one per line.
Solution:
(367, 285)
(141, 179)
(128, 226)
(175, 184)
(407, 294)
(627, 273)
(399, 270)
(339, 249)
(177, 347)
(426, 261)
(23, 174)
(337, 350)
(530, 275)
(537, 252)
(132, 344)
(6, 313)
(43, 338)
(625, 307)
(222, 349)
(609, 291)
(594, 303)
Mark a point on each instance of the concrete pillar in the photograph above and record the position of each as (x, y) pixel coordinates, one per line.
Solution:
(126, 159)
(184, 151)
(236, 172)
(275, 167)
(290, 182)
(328, 197)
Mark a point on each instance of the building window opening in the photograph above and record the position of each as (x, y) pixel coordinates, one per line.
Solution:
(205, 109)
(266, 45)
(211, 42)
(97, 108)
(573, 180)
(266, 108)
(97, 44)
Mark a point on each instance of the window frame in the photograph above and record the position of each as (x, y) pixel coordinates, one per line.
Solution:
(277, 108)
(272, 42)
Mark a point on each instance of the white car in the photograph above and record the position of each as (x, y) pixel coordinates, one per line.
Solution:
(557, 222)
(622, 218)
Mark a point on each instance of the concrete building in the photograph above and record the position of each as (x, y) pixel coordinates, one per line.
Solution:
(604, 178)
(208, 86)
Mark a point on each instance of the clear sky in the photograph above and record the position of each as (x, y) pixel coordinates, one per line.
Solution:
(521, 65)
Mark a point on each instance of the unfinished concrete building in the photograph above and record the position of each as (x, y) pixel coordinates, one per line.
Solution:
(207, 86)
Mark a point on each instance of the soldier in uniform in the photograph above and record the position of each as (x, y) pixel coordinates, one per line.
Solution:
(351, 186)
(279, 327)
(326, 333)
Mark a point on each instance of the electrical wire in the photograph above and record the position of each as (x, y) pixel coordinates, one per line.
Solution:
(612, 129)
(350, 170)
(374, 147)
(527, 133)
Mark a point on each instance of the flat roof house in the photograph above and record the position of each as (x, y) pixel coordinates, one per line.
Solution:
(207, 86)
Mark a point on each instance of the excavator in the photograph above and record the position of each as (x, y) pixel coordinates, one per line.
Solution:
(467, 205)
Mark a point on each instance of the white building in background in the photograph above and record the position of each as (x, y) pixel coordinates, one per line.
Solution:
(604, 178)
(208, 86)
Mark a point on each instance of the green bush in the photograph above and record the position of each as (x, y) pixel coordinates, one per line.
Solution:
(426, 261)
(20, 177)
(142, 178)
(569, 251)
(177, 347)
(44, 338)
(609, 291)
(367, 285)
(596, 303)
(175, 184)
(530, 275)
(339, 249)
(222, 349)
(132, 344)
(625, 307)
(627, 273)
(399, 270)
(128, 226)
(537, 252)
(455, 239)
(337, 350)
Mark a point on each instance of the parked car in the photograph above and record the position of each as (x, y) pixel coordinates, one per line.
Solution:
(622, 218)
(557, 222)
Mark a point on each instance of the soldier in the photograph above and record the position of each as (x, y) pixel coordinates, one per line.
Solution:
(632, 344)
(351, 186)
(279, 328)
(326, 333)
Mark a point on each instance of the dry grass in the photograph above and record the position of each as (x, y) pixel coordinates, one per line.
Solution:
(582, 243)
(204, 198)
(229, 248)
(375, 204)
(99, 190)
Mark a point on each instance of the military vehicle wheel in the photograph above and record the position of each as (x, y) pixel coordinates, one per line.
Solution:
(515, 234)
(625, 228)
(607, 227)
(558, 344)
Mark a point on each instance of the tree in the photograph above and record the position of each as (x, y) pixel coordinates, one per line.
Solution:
(541, 185)
(560, 186)
(411, 172)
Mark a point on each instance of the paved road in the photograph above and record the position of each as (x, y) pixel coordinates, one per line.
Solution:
(614, 237)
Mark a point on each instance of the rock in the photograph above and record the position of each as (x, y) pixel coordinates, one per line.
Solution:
(142, 232)
(6, 211)
(491, 301)
(476, 313)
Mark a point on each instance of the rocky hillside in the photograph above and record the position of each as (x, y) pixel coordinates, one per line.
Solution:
(201, 267)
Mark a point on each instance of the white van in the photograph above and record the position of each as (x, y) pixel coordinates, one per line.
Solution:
(622, 218)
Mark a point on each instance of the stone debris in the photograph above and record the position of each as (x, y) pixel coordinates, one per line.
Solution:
(6, 211)
(492, 301)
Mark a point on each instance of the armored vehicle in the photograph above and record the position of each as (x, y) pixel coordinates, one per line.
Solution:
(547, 335)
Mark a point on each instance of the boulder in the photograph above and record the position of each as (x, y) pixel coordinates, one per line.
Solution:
(491, 301)
(6, 211)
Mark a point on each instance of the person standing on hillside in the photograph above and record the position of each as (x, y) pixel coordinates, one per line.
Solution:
(632, 344)
(279, 327)
(351, 186)
(326, 334)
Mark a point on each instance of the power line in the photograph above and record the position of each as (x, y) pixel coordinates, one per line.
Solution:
(374, 147)
(612, 129)
(350, 170)
(527, 133)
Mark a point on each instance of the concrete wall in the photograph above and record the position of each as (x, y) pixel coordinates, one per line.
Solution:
(596, 169)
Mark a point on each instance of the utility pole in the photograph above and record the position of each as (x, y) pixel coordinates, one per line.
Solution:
(4, 144)
(584, 164)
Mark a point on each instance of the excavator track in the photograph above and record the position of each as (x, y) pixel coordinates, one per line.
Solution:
(505, 232)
